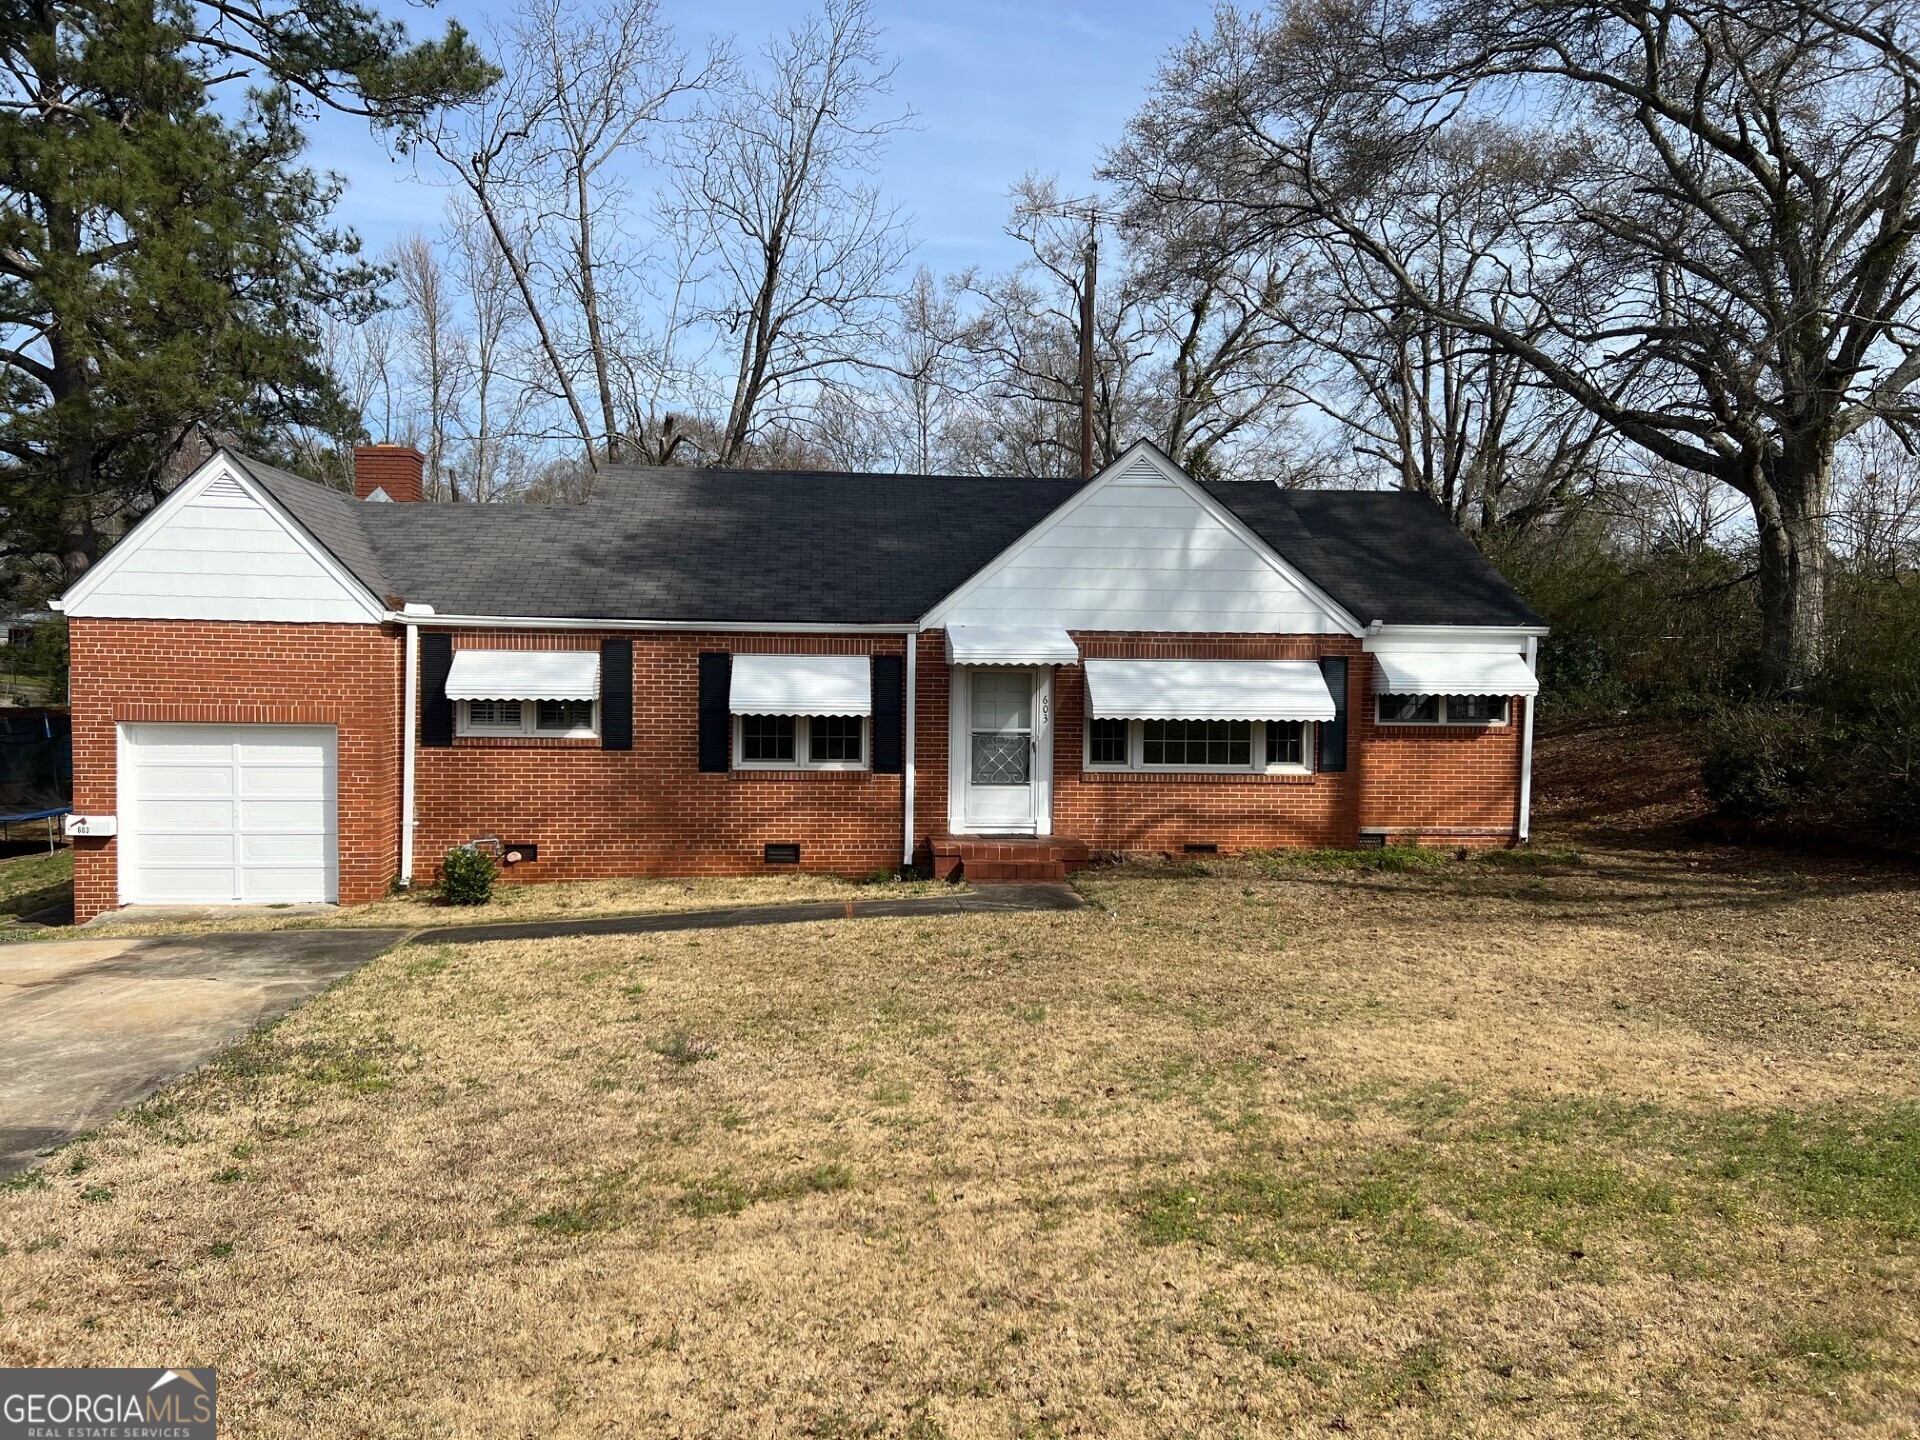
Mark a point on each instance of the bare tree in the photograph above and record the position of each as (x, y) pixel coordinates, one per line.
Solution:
(608, 74)
(434, 349)
(496, 394)
(929, 371)
(776, 182)
(1721, 237)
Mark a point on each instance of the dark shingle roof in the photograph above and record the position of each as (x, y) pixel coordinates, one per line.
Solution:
(1387, 555)
(766, 546)
(809, 547)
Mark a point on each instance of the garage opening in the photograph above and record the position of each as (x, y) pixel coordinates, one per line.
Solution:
(228, 814)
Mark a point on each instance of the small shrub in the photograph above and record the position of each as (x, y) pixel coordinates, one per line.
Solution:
(467, 876)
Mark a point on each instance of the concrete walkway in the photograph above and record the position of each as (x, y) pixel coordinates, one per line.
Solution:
(996, 899)
(92, 1026)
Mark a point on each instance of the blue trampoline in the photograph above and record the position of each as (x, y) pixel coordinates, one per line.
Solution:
(36, 767)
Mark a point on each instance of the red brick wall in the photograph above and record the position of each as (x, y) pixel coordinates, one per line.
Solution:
(598, 813)
(1163, 813)
(1440, 783)
(649, 811)
(347, 676)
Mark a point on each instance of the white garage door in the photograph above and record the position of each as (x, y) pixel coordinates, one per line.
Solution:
(224, 814)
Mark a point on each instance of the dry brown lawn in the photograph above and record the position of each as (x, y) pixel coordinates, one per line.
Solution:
(423, 909)
(1622, 1147)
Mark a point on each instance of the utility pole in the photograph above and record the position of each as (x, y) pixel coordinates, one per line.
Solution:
(1089, 281)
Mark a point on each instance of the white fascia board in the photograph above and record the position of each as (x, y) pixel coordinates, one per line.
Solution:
(937, 616)
(221, 466)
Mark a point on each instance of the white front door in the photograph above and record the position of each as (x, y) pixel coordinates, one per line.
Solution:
(1001, 752)
(220, 814)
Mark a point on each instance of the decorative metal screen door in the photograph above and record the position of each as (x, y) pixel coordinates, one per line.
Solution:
(1000, 750)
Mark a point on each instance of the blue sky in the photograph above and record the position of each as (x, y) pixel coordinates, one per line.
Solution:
(998, 89)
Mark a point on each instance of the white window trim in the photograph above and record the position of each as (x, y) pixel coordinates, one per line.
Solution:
(1440, 720)
(527, 729)
(1136, 749)
(802, 747)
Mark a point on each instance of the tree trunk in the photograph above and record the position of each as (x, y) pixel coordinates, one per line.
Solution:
(1790, 508)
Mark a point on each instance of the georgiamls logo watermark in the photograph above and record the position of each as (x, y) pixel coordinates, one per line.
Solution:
(119, 1404)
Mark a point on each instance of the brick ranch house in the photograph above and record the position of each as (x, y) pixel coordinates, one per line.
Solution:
(282, 692)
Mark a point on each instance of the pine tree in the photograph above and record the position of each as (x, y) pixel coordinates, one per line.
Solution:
(165, 254)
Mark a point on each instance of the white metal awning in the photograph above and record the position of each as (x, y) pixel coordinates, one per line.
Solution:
(802, 685)
(1453, 672)
(524, 675)
(1207, 690)
(1010, 645)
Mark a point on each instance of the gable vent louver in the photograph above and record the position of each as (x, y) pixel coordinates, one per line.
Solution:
(1141, 472)
(226, 493)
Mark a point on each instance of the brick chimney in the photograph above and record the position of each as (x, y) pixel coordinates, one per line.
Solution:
(397, 471)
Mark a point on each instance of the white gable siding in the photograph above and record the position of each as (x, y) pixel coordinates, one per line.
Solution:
(220, 554)
(1141, 552)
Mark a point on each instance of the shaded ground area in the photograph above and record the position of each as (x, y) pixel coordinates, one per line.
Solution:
(1588, 1141)
(1618, 778)
(94, 1026)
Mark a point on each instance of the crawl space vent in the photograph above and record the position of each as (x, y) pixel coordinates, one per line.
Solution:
(782, 854)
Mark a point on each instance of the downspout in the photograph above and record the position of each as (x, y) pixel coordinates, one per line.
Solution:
(1526, 745)
(408, 739)
(910, 770)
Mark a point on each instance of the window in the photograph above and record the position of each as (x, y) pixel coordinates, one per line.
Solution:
(800, 742)
(1441, 709)
(565, 715)
(1106, 742)
(502, 715)
(767, 739)
(1197, 742)
(1216, 746)
(550, 719)
(1476, 709)
(1409, 709)
(1286, 743)
(834, 738)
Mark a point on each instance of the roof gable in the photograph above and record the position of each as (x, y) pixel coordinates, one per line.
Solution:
(221, 548)
(1141, 547)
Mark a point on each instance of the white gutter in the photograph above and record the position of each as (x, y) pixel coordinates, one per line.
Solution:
(908, 775)
(725, 627)
(1526, 745)
(408, 737)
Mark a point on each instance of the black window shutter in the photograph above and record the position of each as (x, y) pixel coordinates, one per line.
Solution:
(889, 712)
(716, 715)
(1333, 733)
(616, 694)
(436, 710)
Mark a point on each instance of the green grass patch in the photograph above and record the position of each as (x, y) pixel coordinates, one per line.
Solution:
(31, 883)
(1562, 1178)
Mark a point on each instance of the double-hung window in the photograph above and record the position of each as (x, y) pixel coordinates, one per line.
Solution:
(1248, 717)
(1427, 686)
(801, 712)
(549, 694)
(1200, 746)
(800, 742)
(1441, 709)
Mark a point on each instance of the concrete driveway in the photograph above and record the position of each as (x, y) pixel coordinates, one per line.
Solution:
(88, 1027)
